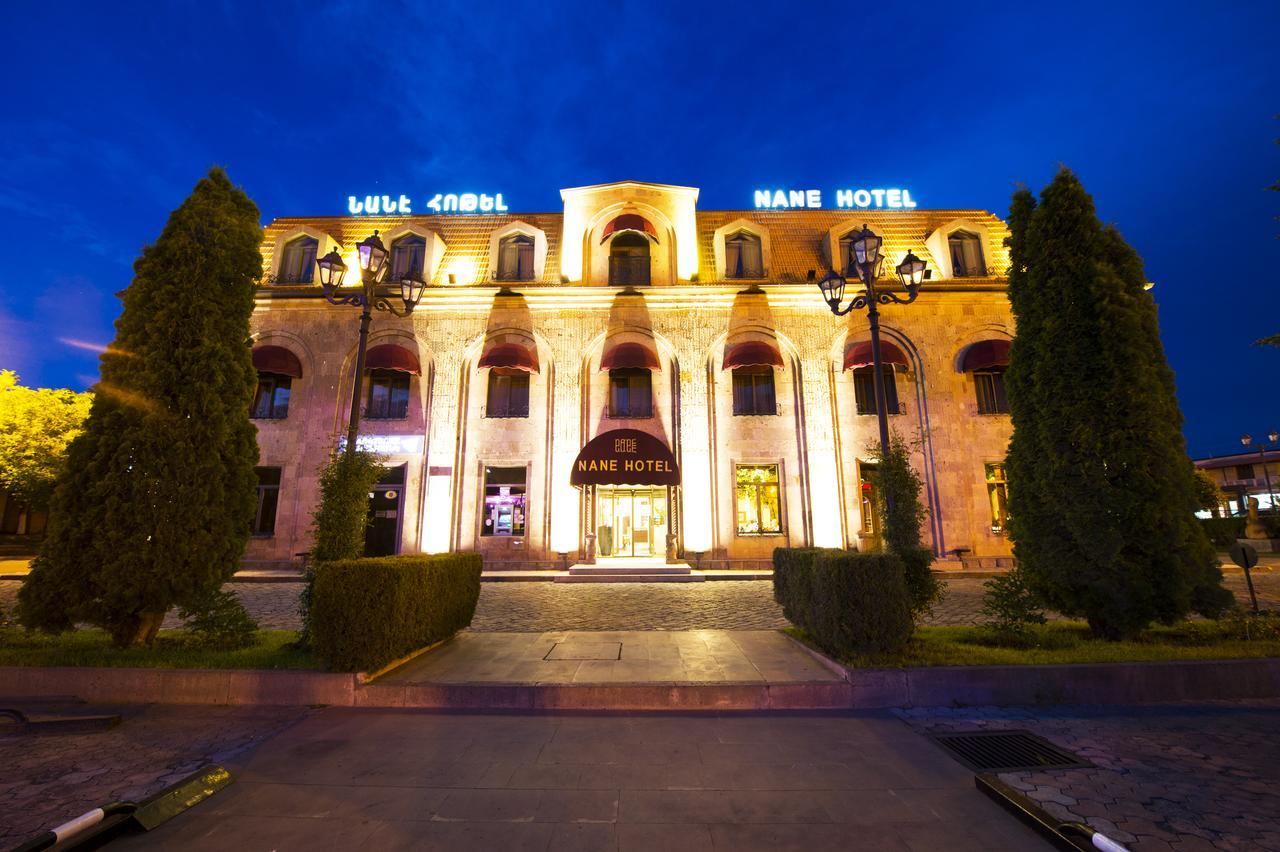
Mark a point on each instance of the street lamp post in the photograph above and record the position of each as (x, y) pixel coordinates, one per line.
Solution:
(373, 268)
(1274, 438)
(867, 260)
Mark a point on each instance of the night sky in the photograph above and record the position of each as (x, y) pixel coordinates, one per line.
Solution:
(1166, 111)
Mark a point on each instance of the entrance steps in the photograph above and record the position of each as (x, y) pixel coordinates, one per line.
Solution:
(631, 571)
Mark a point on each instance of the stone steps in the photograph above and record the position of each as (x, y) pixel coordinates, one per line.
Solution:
(631, 571)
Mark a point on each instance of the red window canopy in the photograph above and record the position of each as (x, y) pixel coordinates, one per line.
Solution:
(511, 356)
(389, 356)
(985, 354)
(859, 355)
(751, 353)
(630, 222)
(278, 360)
(634, 355)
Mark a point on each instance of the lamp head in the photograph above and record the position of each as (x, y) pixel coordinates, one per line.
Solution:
(373, 256)
(911, 272)
(331, 269)
(832, 288)
(411, 289)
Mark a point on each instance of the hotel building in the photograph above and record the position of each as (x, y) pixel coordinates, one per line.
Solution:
(633, 377)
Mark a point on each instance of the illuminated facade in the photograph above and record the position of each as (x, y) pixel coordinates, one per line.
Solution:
(634, 377)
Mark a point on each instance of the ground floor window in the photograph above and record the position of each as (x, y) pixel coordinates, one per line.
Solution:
(759, 503)
(998, 497)
(504, 501)
(264, 517)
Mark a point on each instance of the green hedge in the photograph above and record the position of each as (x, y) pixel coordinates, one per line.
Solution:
(1223, 532)
(848, 603)
(367, 612)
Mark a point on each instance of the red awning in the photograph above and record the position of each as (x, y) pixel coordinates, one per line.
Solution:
(859, 355)
(985, 354)
(634, 355)
(512, 356)
(751, 353)
(630, 222)
(278, 360)
(388, 356)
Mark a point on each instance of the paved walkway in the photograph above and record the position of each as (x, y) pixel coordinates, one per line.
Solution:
(703, 656)
(390, 780)
(1167, 777)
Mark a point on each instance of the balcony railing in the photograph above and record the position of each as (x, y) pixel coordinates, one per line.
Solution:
(628, 270)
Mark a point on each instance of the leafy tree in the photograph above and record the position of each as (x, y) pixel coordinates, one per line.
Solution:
(1208, 495)
(895, 478)
(36, 424)
(1102, 495)
(156, 500)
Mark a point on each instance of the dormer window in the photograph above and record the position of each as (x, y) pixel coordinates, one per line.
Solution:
(298, 261)
(515, 258)
(966, 255)
(629, 259)
(743, 256)
(848, 259)
(408, 254)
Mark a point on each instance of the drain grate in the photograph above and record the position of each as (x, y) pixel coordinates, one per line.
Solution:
(1006, 751)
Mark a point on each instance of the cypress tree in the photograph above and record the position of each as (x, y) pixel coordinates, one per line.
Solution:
(154, 507)
(1101, 491)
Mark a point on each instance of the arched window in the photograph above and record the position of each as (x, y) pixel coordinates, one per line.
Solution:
(630, 392)
(966, 255)
(743, 256)
(515, 258)
(408, 254)
(864, 390)
(753, 391)
(629, 259)
(298, 260)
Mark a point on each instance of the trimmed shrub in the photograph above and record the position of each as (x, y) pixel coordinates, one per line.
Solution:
(1011, 605)
(848, 603)
(1223, 532)
(219, 621)
(367, 612)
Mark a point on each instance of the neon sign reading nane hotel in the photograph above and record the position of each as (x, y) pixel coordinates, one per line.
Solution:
(846, 199)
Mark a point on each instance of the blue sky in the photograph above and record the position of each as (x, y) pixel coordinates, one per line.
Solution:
(1165, 110)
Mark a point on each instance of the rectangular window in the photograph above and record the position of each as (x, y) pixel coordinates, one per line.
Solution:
(408, 256)
(299, 258)
(966, 255)
(515, 259)
(753, 391)
(271, 400)
(630, 393)
(998, 497)
(504, 501)
(508, 393)
(864, 390)
(388, 397)
(759, 506)
(991, 395)
(1244, 471)
(264, 517)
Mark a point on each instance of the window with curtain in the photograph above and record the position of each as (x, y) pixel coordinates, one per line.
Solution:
(298, 261)
(508, 393)
(998, 497)
(966, 255)
(408, 254)
(630, 392)
(759, 502)
(264, 516)
(271, 400)
(992, 398)
(388, 396)
(753, 391)
(743, 256)
(864, 390)
(515, 258)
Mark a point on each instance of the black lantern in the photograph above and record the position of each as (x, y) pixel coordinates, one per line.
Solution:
(832, 287)
(1273, 437)
(331, 269)
(411, 288)
(866, 248)
(911, 271)
(1246, 439)
(373, 256)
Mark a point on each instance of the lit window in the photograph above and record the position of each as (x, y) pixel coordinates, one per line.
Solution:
(759, 501)
(408, 255)
(743, 257)
(504, 501)
(388, 395)
(992, 398)
(298, 260)
(271, 400)
(629, 259)
(630, 392)
(966, 255)
(508, 393)
(264, 517)
(753, 391)
(867, 496)
(515, 258)
(998, 497)
(864, 390)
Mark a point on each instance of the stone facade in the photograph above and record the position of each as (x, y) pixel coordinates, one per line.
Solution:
(568, 318)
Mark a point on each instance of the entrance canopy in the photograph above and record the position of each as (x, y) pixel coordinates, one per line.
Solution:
(625, 457)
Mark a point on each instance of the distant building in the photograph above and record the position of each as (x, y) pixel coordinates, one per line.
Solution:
(18, 518)
(1243, 475)
(631, 376)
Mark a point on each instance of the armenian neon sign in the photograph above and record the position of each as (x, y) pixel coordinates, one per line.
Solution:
(846, 199)
(450, 202)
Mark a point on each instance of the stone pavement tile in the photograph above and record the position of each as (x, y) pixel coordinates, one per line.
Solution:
(315, 801)
(197, 832)
(460, 837)
(503, 805)
(700, 806)
(578, 806)
(585, 837)
(664, 837)
(806, 838)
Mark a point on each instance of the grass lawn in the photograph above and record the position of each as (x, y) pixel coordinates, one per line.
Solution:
(94, 648)
(1067, 642)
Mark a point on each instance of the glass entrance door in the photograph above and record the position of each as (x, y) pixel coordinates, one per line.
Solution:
(632, 522)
